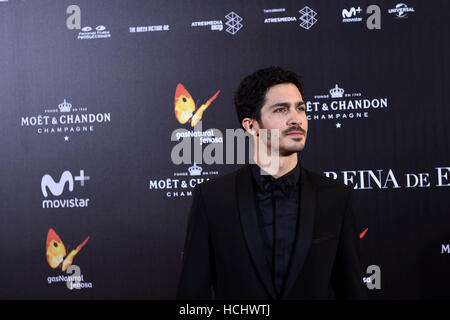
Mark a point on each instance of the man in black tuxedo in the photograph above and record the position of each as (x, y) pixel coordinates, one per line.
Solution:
(265, 233)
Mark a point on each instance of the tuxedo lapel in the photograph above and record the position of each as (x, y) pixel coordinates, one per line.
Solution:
(250, 227)
(304, 230)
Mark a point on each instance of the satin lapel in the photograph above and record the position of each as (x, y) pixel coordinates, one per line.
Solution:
(304, 231)
(250, 227)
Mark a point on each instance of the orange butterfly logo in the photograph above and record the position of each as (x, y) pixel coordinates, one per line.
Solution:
(185, 106)
(56, 251)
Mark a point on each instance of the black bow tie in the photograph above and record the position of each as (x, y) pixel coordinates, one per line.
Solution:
(270, 184)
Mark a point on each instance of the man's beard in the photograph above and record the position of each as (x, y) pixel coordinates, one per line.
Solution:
(285, 150)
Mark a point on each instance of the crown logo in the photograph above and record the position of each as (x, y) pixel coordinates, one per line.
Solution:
(65, 106)
(195, 170)
(337, 92)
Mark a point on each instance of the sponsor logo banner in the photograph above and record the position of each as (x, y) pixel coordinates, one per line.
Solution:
(58, 258)
(65, 120)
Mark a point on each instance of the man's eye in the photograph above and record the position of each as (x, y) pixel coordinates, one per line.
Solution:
(280, 110)
(301, 108)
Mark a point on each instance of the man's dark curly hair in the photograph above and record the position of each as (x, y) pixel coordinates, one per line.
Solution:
(250, 96)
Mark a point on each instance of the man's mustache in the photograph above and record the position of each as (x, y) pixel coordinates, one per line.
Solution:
(294, 128)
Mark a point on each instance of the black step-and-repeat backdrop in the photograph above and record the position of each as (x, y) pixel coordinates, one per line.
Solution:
(94, 199)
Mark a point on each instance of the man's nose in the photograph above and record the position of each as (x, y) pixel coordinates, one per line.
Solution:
(294, 118)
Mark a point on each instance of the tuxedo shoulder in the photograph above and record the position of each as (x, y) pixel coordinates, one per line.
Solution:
(220, 182)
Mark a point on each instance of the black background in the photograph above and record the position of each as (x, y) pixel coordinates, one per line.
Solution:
(136, 234)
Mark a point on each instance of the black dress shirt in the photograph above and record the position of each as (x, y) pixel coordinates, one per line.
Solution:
(277, 202)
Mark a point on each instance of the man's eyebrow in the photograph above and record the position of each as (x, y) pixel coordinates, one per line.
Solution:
(286, 104)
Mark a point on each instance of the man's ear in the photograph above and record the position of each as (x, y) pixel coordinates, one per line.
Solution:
(251, 126)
